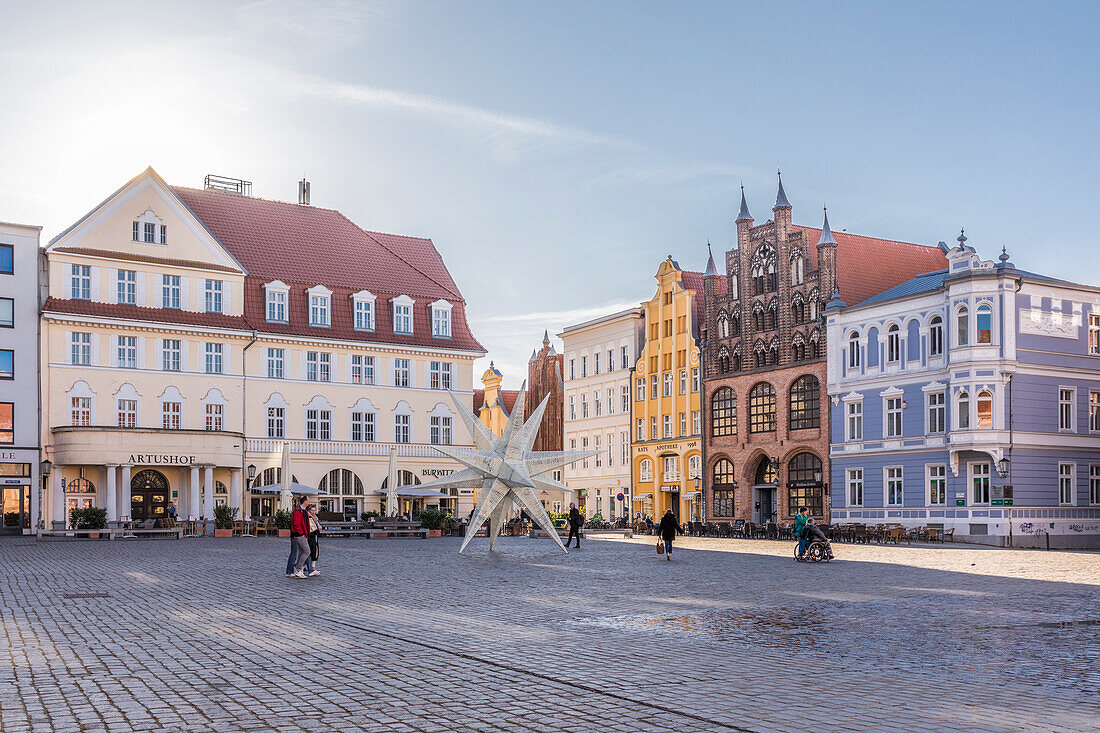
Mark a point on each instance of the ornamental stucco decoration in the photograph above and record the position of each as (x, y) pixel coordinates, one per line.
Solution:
(505, 469)
(1044, 323)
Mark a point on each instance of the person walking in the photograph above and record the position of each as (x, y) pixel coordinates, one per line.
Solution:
(299, 539)
(575, 522)
(314, 537)
(667, 530)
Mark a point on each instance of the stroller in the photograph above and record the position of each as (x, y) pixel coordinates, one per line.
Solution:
(818, 548)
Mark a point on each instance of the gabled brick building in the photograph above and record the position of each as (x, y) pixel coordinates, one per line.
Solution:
(767, 441)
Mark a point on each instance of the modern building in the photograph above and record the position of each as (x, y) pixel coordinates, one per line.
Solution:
(20, 488)
(968, 398)
(666, 435)
(191, 333)
(600, 355)
(767, 429)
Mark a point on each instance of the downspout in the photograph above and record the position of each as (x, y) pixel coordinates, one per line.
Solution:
(702, 430)
(244, 413)
(1011, 433)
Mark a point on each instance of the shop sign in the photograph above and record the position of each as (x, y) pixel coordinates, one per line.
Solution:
(7, 456)
(12, 481)
(158, 459)
(436, 472)
(659, 447)
(804, 484)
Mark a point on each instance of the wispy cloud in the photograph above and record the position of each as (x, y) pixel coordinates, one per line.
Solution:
(561, 317)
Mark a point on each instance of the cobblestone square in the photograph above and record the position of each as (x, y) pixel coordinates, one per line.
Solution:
(406, 635)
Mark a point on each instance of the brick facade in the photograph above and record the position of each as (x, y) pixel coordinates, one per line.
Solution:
(763, 327)
(544, 377)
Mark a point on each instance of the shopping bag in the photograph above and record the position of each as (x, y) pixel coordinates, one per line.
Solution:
(660, 547)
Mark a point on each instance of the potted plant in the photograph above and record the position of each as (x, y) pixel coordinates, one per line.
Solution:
(89, 518)
(432, 520)
(224, 516)
(369, 516)
(282, 522)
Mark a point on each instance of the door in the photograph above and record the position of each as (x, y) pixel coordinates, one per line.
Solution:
(765, 503)
(351, 510)
(15, 510)
(148, 504)
(674, 500)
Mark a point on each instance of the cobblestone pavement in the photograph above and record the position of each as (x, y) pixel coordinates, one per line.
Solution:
(406, 635)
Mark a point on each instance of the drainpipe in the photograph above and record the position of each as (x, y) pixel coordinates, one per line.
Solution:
(244, 412)
(702, 345)
(1011, 433)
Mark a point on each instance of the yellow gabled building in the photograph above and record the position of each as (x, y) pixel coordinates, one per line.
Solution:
(667, 428)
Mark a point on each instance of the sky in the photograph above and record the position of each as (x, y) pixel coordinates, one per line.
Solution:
(556, 152)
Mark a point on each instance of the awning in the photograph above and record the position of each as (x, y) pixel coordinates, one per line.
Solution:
(416, 492)
(643, 497)
(690, 495)
(296, 489)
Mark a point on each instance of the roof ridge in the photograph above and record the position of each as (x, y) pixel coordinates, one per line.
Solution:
(253, 198)
(869, 236)
(370, 234)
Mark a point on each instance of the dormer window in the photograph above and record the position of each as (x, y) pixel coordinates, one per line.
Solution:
(441, 319)
(402, 314)
(320, 306)
(276, 301)
(149, 229)
(362, 304)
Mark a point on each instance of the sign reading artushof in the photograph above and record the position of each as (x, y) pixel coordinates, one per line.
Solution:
(159, 459)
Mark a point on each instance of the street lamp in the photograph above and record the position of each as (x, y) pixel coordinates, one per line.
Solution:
(251, 474)
(1003, 467)
(44, 469)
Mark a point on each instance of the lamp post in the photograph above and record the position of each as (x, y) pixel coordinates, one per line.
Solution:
(248, 485)
(44, 469)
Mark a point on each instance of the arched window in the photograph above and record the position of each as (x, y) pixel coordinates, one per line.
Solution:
(935, 336)
(762, 408)
(984, 322)
(695, 463)
(736, 362)
(758, 316)
(341, 481)
(724, 485)
(723, 327)
(798, 349)
(670, 469)
(853, 350)
(723, 412)
(893, 343)
(797, 271)
(805, 403)
(645, 470)
(962, 326)
(815, 345)
(985, 409)
(771, 317)
(759, 358)
(772, 284)
(804, 477)
(723, 364)
(766, 472)
(964, 410)
(773, 354)
(272, 476)
(735, 326)
(757, 279)
(404, 478)
(80, 486)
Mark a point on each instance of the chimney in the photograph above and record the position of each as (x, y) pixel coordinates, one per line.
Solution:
(303, 192)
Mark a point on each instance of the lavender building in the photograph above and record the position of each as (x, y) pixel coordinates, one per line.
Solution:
(969, 399)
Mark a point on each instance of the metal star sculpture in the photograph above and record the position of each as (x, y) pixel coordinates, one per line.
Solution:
(506, 469)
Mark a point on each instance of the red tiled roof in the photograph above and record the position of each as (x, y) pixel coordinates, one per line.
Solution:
(132, 257)
(867, 266)
(305, 246)
(139, 313)
(507, 395)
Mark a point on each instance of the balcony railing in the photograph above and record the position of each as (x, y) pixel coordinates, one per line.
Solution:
(340, 448)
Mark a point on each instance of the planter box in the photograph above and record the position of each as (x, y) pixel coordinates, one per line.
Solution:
(284, 533)
(435, 533)
(223, 533)
(93, 535)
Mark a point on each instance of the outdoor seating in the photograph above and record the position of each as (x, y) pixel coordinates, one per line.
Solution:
(771, 531)
(948, 534)
(738, 528)
(932, 534)
(859, 533)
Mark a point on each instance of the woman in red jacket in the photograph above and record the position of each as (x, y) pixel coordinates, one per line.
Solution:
(299, 535)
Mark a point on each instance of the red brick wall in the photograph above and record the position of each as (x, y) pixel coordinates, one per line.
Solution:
(544, 378)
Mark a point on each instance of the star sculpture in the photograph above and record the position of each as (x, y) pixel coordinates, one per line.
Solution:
(506, 469)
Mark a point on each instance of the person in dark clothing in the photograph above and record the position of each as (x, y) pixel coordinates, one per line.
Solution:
(575, 522)
(667, 530)
(314, 541)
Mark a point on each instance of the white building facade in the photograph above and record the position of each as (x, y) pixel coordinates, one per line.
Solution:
(20, 491)
(597, 411)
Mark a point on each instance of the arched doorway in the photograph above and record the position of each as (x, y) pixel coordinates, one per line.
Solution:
(405, 505)
(764, 488)
(148, 495)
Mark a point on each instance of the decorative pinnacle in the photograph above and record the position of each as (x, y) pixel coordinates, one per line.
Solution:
(826, 231)
(1004, 255)
(961, 239)
(743, 214)
(711, 269)
(781, 201)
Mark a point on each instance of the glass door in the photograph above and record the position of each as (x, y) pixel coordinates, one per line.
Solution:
(16, 509)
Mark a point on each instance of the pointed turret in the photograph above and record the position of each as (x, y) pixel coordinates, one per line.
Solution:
(534, 355)
(781, 201)
(545, 338)
(743, 214)
(711, 269)
(826, 231)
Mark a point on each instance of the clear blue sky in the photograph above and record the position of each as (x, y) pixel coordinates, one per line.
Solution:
(557, 151)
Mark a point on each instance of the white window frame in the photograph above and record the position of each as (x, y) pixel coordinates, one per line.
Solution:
(126, 416)
(667, 426)
(1094, 411)
(854, 350)
(439, 375)
(670, 469)
(402, 372)
(962, 327)
(890, 430)
(81, 279)
(853, 418)
(893, 344)
(126, 287)
(276, 421)
(214, 416)
(935, 338)
(364, 426)
(441, 319)
(696, 425)
(935, 472)
(962, 411)
(171, 291)
(1067, 407)
(171, 415)
(402, 427)
(214, 361)
(1094, 484)
(126, 352)
(277, 302)
(171, 355)
(320, 306)
(1067, 471)
(695, 379)
(403, 315)
(645, 470)
(938, 425)
(851, 481)
(973, 476)
(212, 296)
(363, 310)
(440, 430)
(275, 362)
(80, 410)
(1094, 334)
(80, 348)
(978, 311)
(887, 479)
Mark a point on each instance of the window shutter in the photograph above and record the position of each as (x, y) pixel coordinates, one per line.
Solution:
(139, 287)
(96, 358)
(185, 286)
(347, 369)
(114, 351)
(94, 290)
(112, 285)
(227, 353)
(140, 341)
(412, 373)
(185, 365)
(227, 302)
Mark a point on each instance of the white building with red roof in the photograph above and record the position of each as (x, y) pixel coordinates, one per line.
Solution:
(190, 334)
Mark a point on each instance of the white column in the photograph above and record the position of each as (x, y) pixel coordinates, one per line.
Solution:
(112, 493)
(235, 491)
(57, 495)
(182, 505)
(208, 494)
(36, 497)
(125, 506)
(193, 496)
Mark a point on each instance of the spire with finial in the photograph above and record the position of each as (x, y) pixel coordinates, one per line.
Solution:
(826, 230)
(711, 269)
(1005, 264)
(961, 239)
(781, 201)
(534, 355)
(743, 214)
(545, 337)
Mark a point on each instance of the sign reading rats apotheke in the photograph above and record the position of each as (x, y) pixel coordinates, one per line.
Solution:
(159, 459)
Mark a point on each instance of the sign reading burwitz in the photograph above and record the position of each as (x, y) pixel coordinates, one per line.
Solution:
(159, 459)
(436, 472)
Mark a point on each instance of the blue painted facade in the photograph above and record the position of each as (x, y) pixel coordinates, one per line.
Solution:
(969, 399)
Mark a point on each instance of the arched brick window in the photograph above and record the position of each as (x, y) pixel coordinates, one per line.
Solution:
(805, 403)
(723, 412)
(762, 408)
(724, 485)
